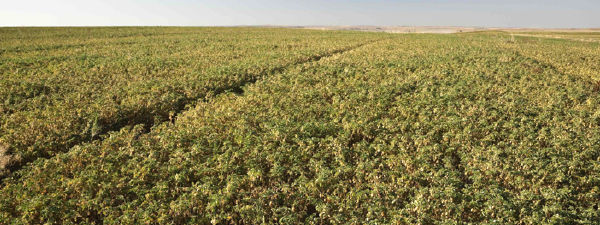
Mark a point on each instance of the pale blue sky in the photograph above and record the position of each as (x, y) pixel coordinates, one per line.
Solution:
(488, 13)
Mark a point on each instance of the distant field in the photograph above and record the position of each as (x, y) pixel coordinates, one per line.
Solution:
(453, 29)
(399, 29)
(295, 126)
(590, 37)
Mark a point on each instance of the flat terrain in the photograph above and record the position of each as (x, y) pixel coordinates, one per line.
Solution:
(399, 29)
(251, 125)
(449, 29)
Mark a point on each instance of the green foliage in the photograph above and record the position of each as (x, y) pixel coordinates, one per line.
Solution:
(70, 85)
(410, 129)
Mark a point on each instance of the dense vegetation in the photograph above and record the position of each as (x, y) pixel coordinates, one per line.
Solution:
(66, 87)
(295, 126)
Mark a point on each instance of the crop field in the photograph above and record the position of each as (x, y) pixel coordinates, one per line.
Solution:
(576, 36)
(178, 125)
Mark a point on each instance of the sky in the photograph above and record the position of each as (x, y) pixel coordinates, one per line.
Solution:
(482, 13)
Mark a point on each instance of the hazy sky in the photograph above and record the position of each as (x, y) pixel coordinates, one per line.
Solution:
(503, 13)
